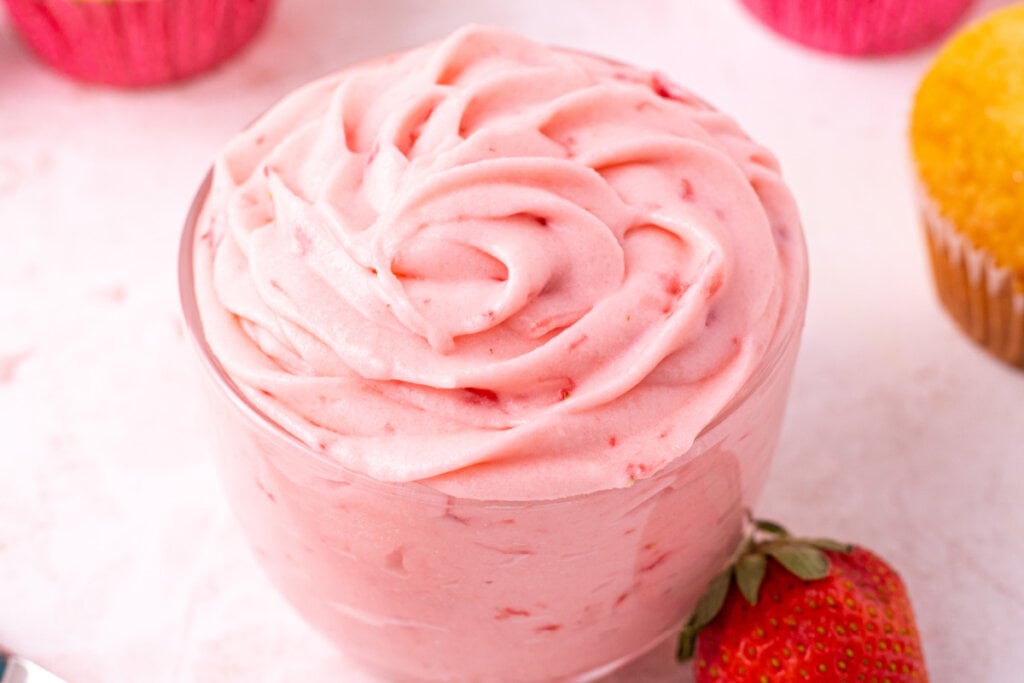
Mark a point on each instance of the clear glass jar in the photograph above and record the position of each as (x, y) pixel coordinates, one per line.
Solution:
(419, 585)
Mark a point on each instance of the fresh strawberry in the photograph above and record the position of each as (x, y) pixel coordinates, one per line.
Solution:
(804, 610)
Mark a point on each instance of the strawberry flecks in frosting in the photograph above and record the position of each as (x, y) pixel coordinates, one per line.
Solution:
(510, 612)
(469, 263)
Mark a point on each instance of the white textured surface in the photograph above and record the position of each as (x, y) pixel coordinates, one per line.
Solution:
(118, 559)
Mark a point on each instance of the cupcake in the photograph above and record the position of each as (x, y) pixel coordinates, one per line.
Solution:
(860, 27)
(136, 42)
(500, 337)
(967, 136)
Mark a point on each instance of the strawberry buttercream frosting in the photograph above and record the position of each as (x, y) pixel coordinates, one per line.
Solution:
(505, 270)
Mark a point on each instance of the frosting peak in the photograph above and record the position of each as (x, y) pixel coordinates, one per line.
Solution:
(511, 270)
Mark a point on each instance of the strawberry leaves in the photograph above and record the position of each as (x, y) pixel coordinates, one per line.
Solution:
(708, 607)
(769, 527)
(827, 544)
(801, 559)
(750, 571)
(804, 558)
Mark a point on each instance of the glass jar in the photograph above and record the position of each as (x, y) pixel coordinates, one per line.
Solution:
(420, 585)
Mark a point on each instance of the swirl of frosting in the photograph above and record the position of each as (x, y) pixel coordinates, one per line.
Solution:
(509, 270)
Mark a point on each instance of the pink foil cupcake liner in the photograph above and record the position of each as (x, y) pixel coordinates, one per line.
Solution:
(860, 27)
(136, 42)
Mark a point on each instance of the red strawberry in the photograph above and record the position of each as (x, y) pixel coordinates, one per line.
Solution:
(805, 610)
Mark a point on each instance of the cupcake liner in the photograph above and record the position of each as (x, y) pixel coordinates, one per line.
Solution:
(860, 27)
(136, 42)
(985, 300)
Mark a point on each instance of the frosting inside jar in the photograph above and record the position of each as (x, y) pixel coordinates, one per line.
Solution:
(506, 270)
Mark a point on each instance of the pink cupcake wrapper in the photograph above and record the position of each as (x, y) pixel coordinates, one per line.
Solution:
(136, 42)
(860, 27)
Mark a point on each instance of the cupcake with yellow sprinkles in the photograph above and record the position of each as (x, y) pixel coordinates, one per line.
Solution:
(967, 136)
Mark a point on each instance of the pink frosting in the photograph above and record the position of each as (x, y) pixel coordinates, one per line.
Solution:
(506, 270)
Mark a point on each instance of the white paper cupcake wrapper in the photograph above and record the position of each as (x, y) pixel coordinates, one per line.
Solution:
(979, 294)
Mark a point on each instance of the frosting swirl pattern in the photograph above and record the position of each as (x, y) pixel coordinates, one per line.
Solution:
(507, 270)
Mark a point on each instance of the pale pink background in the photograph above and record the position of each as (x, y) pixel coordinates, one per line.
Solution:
(118, 558)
